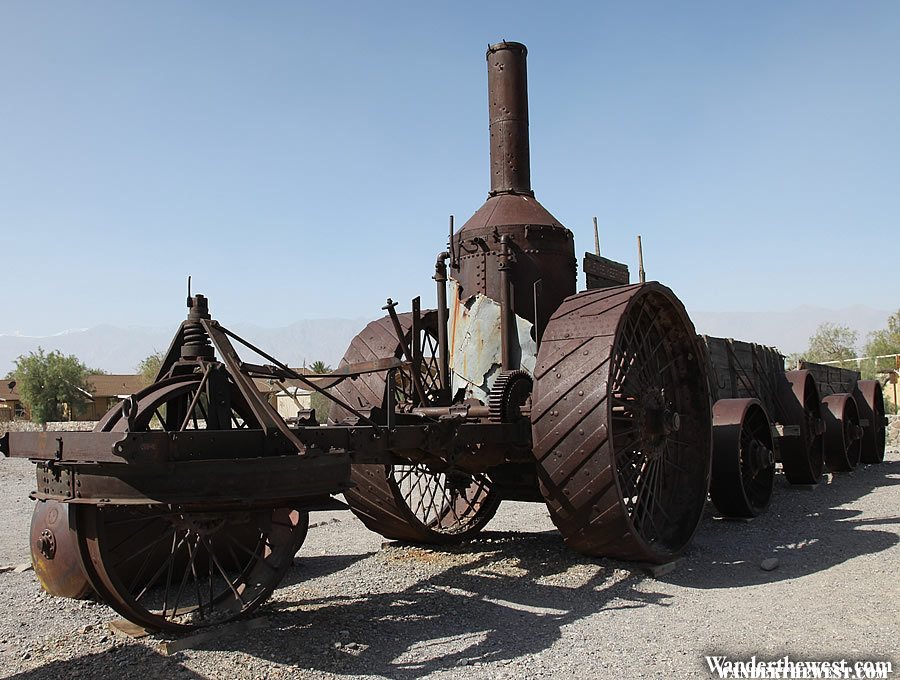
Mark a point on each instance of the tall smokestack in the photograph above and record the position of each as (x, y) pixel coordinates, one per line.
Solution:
(508, 114)
(512, 232)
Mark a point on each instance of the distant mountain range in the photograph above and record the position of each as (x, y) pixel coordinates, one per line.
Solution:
(119, 350)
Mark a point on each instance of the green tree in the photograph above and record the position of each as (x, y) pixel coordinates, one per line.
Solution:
(320, 402)
(880, 343)
(47, 381)
(831, 342)
(320, 367)
(149, 367)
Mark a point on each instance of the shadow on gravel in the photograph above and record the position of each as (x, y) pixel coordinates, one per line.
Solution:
(806, 528)
(508, 595)
(501, 596)
(134, 661)
(306, 568)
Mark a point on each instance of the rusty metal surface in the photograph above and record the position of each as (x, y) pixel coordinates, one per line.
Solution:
(231, 559)
(544, 251)
(870, 401)
(508, 114)
(601, 272)
(542, 248)
(842, 432)
(389, 498)
(746, 370)
(621, 423)
(65, 447)
(476, 352)
(831, 379)
(54, 551)
(803, 456)
(225, 482)
(743, 469)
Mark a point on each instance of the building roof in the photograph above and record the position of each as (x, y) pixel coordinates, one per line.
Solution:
(270, 385)
(8, 393)
(115, 385)
(98, 385)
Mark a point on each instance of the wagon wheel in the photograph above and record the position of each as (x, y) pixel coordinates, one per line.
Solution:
(412, 502)
(870, 400)
(621, 423)
(842, 433)
(743, 468)
(176, 568)
(54, 548)
(802, 453)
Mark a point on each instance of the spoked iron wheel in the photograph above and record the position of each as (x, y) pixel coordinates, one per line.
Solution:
(410, 502)
(802, 454)
(176, 568)
(870, 400)
(621, 423)
(743, 469)
(842, 433)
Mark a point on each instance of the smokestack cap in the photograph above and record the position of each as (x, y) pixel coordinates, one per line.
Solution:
(507, 45)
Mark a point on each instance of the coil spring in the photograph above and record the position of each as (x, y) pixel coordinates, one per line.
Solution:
(195, 341)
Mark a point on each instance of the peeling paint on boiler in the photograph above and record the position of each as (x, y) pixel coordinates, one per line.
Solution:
(475, 343)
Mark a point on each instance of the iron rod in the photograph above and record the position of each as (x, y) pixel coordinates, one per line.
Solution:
(391, 308)
(291, 373)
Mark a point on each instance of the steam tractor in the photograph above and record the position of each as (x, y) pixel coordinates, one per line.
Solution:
(185, 506)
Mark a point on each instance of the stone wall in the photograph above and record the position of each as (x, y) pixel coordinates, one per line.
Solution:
(893, 433)
(63, 426)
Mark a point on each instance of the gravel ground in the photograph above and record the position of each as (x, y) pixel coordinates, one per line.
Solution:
(515, 603)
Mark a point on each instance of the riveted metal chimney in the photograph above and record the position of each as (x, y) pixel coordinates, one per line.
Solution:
(508, 114)
(542, 249)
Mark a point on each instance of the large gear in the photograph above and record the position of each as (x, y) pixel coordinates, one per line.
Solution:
(511, 390)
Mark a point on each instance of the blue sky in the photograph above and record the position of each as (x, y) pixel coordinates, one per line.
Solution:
(300, 160)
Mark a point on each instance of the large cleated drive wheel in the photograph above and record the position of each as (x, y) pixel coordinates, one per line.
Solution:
(743, 468)
(176, 568)
(409, 502)
(621, 423)
(843, 434)
(870, 400)
(803, 452)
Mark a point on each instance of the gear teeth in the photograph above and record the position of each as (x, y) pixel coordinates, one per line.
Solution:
(499, 399)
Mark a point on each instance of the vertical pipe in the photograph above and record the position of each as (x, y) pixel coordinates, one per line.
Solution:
(596, 238)
(507, 319)
(641, 260)
(440, 277)
(508, 113)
